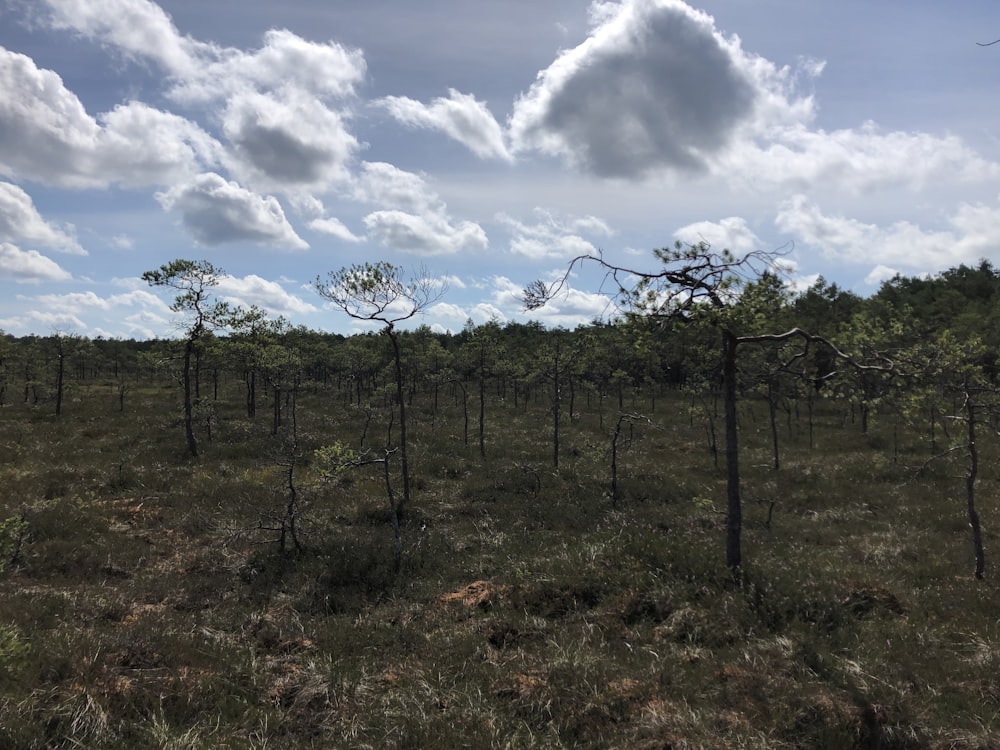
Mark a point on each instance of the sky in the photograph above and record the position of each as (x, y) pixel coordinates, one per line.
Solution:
(480, 145)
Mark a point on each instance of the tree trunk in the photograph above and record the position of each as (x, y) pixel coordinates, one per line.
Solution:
(402, 414)
(192, 441)
(482, 411)
(60, 353)
(970, 491)
(772, 411)
(734, 509)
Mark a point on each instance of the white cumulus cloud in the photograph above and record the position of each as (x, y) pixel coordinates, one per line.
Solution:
(552, 236)
(460, 116)
(289, 139)
(217, 211)
(267, 295)
(732, 233)
(29, 266)
(655, 86)
(46, 135)
(410, 216)
(425, 234)
(966, 235)
(20, 223)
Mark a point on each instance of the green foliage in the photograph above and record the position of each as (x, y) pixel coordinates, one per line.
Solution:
(333, 460)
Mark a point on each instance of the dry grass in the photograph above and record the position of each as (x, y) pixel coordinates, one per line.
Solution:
(147, 607)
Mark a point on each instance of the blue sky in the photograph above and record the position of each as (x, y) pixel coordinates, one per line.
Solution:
(482, 143)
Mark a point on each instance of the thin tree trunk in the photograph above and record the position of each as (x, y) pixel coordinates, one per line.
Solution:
(192, 441)
(970, 491)
(734, 509)
(402, 415)
(772, 408)
(59, 377)
(482, 411)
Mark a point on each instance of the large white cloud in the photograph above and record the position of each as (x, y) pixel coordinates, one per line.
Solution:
(387, 186)
(424, 234)
(968, 234)
(140, 146)
(134, 313)
(657, 88)
(29, 266)
(202, 71)
(732, 233)
(285, 61)
(283, 106)
(267, 295)
(654, 86)
(460, 116)
(552, 236)
(45, 132)
(289, 139)
(217, 211)
(335, 228)
(138, 28)
(410, 216)
(854, 159)
(20, 223)
(46, 135)
(80, 302)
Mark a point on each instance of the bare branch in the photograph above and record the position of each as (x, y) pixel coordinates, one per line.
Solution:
(889, 365)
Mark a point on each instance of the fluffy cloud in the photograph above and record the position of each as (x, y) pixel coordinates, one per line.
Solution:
(28, 266)
(388, 186)
(80, 302)
(267, 295)
(451, 317)
(45, 132)
(412, 217)
(879, 274)
(427, 234)
(41, 320)
(21, 223)
(855, 159)
(968, 236)
(334, 227)
(138, 28)
(139, 145)
(217, 211)
(655, 86)
(136, 313)
(202, 72)
(289, 139)
(285, 62)
(277, 102)
(570, 308)
(732, 233)
(552, 236)
(47, 135)
(460, 116)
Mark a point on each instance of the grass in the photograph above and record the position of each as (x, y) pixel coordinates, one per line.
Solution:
(146, 606)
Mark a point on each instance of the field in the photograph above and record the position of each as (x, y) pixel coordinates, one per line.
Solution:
(144, 601)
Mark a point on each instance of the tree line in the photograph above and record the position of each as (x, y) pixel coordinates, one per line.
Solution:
(716, 328)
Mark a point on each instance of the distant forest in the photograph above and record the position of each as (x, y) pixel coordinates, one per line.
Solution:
(920, 325)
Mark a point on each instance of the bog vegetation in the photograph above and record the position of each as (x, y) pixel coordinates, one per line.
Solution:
(261, 536)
